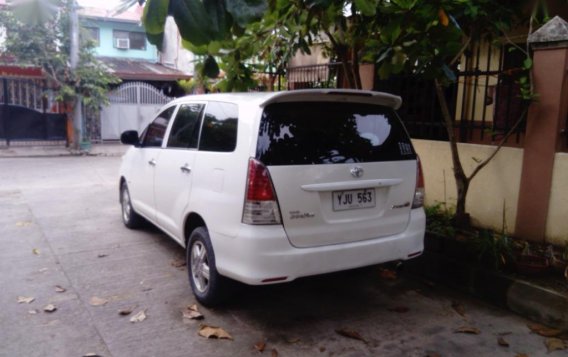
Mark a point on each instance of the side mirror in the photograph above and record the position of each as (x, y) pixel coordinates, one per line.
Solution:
(129, 137)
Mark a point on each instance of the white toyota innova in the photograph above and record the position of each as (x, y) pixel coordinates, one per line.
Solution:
(268, 187)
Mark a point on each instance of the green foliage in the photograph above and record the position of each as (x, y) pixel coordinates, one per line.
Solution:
(46, 45)
(439, 220)
(492, 248)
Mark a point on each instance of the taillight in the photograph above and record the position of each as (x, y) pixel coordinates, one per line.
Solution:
(261, 204)
(419, 191)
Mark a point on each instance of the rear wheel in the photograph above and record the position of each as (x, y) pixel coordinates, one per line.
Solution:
(208, 286)
(130, 218)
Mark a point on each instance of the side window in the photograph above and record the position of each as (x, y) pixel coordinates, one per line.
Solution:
(185, 130)
(219, 131)
(154, 133)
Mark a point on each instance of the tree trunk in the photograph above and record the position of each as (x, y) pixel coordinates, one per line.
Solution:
(462, 181)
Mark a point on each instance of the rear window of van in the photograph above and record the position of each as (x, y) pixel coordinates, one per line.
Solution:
(304, 133)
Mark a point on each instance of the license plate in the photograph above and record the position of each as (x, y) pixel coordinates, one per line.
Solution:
(353, 199)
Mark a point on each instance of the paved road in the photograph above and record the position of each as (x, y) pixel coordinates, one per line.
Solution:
(60, 225)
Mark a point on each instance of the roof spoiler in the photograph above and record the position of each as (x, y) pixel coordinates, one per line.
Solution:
(365, 96)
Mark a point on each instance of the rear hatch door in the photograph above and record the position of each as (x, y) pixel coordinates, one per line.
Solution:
(342, 171)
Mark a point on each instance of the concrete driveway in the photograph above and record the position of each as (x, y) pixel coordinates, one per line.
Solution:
(60, 226)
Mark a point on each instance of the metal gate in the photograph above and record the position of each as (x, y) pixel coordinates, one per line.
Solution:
(132, 106)
(24, 115)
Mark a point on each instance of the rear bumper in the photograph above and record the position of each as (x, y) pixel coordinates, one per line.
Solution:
(259, 253)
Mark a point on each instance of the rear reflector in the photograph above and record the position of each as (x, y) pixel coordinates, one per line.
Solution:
(272, 280)
(418, 200)
(261, 205)
(414, 254)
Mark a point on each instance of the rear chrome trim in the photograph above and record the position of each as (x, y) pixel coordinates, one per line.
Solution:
(351, 185)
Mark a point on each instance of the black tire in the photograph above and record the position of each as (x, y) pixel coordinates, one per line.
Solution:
(130, 218)
(209, 289)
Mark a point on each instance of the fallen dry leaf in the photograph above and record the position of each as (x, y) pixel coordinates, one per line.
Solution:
(178, 263)
(60, 289)
(274, 353)
(191, 312)
(543, 330)
(555, 344)
(468, 329)
(322, 349)
(214, 332)
(97, 301)
(399, 309)
(502, 342)
(25, 299)
(49, 308)
(458, 308)
(35, 251)
(126, 312)
(23, 224)
(293, 340)
(260, 346)
(32, 312)
(387, 274)
(139, 317)
(350, 334)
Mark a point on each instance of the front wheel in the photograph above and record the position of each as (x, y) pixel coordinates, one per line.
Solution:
(130, 218)
(208, 286)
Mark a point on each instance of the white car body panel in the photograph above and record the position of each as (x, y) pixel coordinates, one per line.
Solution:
(216, 186)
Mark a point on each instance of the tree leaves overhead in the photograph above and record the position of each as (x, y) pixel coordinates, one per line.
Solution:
(367, 7)
(246, 11)
(154, 16)
(210, 67)
(192, 21)
(219, 18)
(34, 12)
(157, 40)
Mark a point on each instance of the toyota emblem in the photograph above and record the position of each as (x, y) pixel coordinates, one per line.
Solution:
(357, 171)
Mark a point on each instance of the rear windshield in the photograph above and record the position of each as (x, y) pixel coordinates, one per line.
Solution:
(304, 133)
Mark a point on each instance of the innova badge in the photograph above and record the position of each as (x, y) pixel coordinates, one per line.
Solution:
(357, 171)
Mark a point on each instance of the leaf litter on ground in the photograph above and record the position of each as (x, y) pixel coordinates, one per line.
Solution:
(97, 301)
(555, 344)
(49, 308)
(139, 317)
(214, 332)
(468, 329)
(544, 330)
(502, 342)
(387, 274)
(127, 311)
(459, 308)
(260, 346)
(25, 299)
(192, 312)
(178, 263)
(60, 289)
(350, 333)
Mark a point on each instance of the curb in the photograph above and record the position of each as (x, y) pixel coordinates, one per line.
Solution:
(523, 298)
(53, 152)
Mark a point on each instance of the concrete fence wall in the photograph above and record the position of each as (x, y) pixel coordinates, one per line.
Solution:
(495, 189)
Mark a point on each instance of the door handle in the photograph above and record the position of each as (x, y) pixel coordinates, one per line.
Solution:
(152, 162)
(185, 169)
